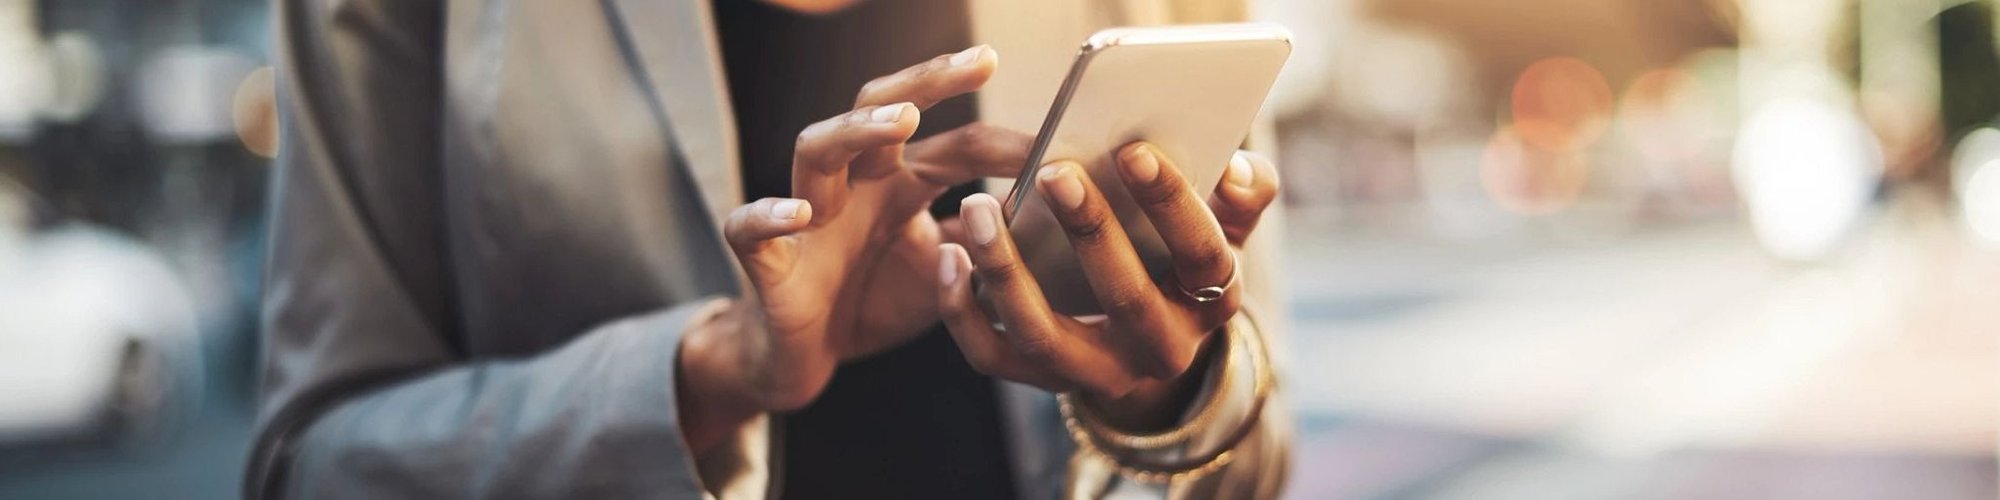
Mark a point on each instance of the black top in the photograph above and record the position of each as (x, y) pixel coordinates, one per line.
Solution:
(915, 421)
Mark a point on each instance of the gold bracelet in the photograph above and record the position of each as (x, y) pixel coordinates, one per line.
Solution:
(1089, 443)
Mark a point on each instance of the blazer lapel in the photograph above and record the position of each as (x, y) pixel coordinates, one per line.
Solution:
(674, 45)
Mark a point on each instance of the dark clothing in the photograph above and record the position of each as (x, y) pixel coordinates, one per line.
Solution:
(915, 421)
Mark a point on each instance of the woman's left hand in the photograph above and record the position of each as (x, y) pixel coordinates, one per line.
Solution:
(1138, 361)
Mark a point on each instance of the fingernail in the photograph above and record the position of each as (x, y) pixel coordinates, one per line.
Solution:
(967, 56)
(787, 209)
(1239, 172)
(1144, 164)
(947, 264)
(982, 217)
(890, 113)
(1061, 184)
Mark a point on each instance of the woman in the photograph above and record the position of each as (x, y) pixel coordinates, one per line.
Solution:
(501, 266)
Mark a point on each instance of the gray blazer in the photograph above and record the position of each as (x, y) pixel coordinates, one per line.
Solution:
(493, 219)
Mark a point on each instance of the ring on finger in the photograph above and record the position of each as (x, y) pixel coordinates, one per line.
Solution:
(1215, 293)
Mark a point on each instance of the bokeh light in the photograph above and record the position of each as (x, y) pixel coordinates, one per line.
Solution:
(189, 93)
(1806, 170)
(1659, 116)
(1561, 104)
(1529, 180)
(24, 71)
(1981, 205)
(1976, 176)
(76, 67)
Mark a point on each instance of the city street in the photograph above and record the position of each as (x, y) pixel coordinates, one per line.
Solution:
(1677, 361)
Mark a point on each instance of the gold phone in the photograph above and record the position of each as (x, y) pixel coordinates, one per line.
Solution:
(1193, 91)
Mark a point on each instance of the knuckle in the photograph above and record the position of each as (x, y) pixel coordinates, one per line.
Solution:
(1087, 228)
(1152, 351)
(931, 66)
(1123, 302)
(975, 132)
(815, 136)
(1037, 347)
(1002, 272)
(734, 229)
(873, 87)
(1207, 260)
(1162, 191)
(972, 139)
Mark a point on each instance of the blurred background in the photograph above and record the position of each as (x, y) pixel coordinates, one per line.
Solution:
(1539, 248)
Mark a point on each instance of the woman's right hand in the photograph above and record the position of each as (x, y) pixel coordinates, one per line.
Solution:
(845, 268)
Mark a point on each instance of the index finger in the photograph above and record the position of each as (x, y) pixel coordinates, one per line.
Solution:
(937, 79)
(821, 156)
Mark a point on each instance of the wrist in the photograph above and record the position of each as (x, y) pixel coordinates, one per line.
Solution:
(712, 400)
(1158, 405)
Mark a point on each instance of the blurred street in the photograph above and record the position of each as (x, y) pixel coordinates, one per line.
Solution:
(1542, 366)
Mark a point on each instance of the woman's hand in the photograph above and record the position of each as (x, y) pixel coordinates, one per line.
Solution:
(1136, 361)
(844, 268)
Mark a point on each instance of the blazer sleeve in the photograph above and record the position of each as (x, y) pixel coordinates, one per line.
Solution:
(364, 393)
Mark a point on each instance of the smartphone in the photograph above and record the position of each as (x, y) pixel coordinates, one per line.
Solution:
(1193, 91)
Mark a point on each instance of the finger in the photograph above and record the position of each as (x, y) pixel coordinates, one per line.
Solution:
(820, 160)
(1201, 254)
(1117, 277)
(1038, 335)
(1248, 187)
(923, 85)
(756, 233)
(951, 229)
(983, 347)
(937, 79)
(968, 153)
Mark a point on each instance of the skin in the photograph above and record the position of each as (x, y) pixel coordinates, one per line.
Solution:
(852, 265)
(1137, 361)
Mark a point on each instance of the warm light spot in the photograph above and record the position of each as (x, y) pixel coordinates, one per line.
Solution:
(1561, 104)
(1660, 116)
(1529, 180)
(255, 113)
